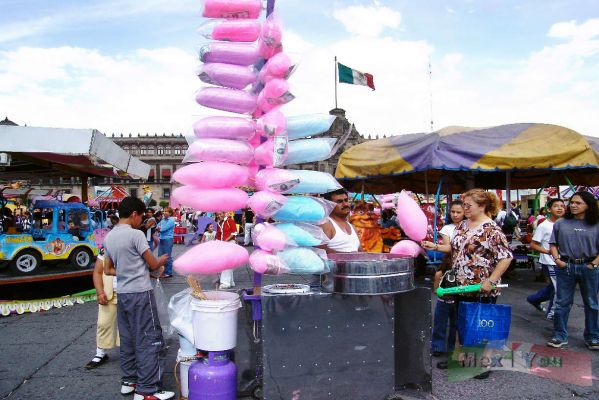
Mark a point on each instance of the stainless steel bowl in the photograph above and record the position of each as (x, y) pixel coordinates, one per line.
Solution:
(369, 274)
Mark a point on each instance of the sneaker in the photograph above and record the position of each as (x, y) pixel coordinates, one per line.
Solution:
(161, 395)
(224, 286)
(556, 343)
(128, 387)
(593, 345)
(536, 305)
(96, 362)
(549, 317)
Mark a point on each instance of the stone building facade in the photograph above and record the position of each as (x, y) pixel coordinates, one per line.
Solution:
(165, 152)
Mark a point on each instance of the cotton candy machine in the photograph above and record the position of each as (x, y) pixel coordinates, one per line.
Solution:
(369, 274)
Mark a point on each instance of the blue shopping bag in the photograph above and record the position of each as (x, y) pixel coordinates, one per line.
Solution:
(484, 324)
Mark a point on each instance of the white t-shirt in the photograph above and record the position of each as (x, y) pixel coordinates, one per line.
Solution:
(542, 235)
(448, 230)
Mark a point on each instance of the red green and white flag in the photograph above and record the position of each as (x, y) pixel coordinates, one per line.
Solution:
(353, 77)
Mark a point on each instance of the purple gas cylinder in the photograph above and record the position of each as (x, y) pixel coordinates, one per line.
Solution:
(213, 378)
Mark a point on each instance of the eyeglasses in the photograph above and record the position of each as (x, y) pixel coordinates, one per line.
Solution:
(466, 205)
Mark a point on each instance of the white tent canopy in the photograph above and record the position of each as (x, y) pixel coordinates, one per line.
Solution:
(47, 152)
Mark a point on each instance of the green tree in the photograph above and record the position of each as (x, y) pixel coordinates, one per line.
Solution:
(152, 203)
(163, 203)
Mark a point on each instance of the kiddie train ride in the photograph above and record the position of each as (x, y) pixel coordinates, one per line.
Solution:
(362, 333)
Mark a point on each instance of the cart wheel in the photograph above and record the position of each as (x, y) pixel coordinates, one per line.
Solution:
(81, 258)
(257, 393)
(26, 262)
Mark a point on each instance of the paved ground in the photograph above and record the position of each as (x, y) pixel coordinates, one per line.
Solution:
(42, 355)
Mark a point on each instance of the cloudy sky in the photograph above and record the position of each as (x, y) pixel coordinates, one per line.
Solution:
(125, 66)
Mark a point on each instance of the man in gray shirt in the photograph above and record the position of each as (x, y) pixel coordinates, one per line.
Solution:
(575, 248)
(128, 256)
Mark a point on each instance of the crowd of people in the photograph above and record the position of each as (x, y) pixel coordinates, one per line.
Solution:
(475, 239)
(478, 252)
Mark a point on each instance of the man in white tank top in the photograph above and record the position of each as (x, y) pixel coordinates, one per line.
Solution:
(342, 235)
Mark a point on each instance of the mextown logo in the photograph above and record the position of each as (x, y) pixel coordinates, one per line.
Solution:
(557, 364)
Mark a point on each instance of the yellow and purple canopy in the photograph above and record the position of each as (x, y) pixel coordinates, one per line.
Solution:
(536, 155)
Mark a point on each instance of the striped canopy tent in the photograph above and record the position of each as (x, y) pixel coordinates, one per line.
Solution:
(516, 156)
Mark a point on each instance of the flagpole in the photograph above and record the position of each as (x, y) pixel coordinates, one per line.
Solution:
(336, 81)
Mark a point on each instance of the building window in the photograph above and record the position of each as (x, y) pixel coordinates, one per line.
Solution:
(166, 193)
(151, 150)
(133, 192)
(143, 151)
(160, 150)
(178, 150)
(167, 150)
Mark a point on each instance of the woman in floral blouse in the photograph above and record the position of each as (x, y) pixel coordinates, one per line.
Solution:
(479, 249)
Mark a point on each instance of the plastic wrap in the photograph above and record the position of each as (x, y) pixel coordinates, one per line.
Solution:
(238, 30)
(271, 36)
(211, 257)
(227, 75)
(272, 153)
(233, 151)
(276, 180)
(209, 200)
(411, 218)
(301, 126)
(275, 93)
(407, 248)
(236, 128)
(309, 150)
(269, 238)
(273, 123)
(304, 260)
(279, 66)
(303, 234)
(212, 174)
(312, 210)
(267, 263)
(181, 314)
(314, 182)
(266, 203)
(162, 307)
(249, 9)
(232, 100)
(230, 53)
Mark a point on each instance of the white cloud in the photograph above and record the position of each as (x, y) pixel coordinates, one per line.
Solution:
(572, 30)
(146, 91)
(87, 13)
(368, 20)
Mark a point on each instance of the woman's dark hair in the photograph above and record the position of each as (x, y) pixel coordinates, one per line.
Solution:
(453, 203)
(591, 215)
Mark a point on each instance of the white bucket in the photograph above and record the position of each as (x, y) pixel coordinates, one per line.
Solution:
(184, 378)
(215, 321)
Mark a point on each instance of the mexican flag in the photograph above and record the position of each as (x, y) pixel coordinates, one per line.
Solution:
(353, 77)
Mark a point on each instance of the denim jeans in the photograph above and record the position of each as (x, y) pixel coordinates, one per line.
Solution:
(443, 337)
(548, 292)
(588, 280)
(166, 247)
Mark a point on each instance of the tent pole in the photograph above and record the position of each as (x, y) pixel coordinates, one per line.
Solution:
(426, 184)
(508, 181)
(84, 188)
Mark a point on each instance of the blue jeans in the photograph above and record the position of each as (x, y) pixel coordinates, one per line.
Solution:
(445, 314)
(166, 247)
(547, 293)
(588, 280)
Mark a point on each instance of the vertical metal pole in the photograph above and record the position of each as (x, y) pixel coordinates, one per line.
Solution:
(508, 181)
(336, 79)
(270, 7)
